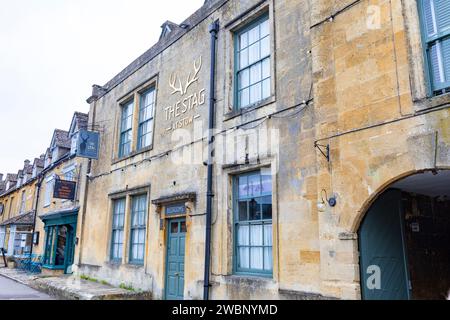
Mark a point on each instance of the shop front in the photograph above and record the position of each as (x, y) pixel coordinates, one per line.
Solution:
(60, 230)
(16, 234)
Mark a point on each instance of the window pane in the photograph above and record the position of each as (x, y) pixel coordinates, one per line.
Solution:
(174, 227)
(142, 218)
(253, 34)
(146, 113)
(254, 185)
(256, 235)
(140, 253)
(264, 28)
(244, 78)
(146, 140)
(256, 258)
(243, 235)
(266, 68)
(253, 53)
(265, 47)
(243, 188)
(128, 123)
(265, 89)
(267, 207)
(244, 97)
(255, 93)
(243, 258)
(255, 73)
(268, 234)
(121, 220)
(254, 210)
(243, 58)
(268, 264)
(115, 220)
(183, 226)
(243, 38)
(242, 207)
(266, 182)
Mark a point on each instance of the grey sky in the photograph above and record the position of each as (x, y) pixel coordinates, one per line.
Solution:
(52, 51)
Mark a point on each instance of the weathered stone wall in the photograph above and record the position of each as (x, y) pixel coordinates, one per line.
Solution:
(368, 70)
(291, 156)
(56, 205)
(362, 63)
(12, 202)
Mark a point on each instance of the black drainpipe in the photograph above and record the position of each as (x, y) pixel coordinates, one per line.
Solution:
(213, 30)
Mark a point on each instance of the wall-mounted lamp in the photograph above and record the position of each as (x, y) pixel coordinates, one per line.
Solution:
(331, 201)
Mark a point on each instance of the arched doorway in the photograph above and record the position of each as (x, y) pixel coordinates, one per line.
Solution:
(404, 240)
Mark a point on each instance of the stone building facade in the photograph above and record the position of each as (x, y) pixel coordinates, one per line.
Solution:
(32, 222)
(328, 116)
(17, 201)
(57, 217)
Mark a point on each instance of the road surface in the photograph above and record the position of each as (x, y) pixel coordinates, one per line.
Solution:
(12, 290)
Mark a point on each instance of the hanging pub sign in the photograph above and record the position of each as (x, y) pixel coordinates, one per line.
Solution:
(87, 144)
(64, 189)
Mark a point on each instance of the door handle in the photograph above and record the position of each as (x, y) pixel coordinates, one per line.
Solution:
(176, 274)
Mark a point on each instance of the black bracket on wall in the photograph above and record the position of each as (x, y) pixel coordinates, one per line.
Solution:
(324, 150)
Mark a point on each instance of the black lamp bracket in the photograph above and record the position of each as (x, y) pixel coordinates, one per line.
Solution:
(324, 150)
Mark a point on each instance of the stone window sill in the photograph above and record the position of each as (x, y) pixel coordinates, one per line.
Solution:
(238, 112)
(131, 155)
(247, 279)
(432, 102)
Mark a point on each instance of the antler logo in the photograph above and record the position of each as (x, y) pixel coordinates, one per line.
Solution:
(83, 144)
(175, 81)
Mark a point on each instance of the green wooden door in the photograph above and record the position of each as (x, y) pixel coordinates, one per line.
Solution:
(70, 249)
(384, 274)
(175, 259)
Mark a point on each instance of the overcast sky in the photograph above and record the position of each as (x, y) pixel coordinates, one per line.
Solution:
(52, 51)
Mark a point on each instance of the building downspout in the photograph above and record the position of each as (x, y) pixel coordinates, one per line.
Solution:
(213, 30)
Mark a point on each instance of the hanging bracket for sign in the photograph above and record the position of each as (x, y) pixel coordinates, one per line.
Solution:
(324, 150)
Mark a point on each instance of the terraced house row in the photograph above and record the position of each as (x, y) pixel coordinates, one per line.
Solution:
(261, 149)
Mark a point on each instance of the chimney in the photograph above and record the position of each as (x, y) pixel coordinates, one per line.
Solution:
(26, 163)
(1, 177)
(97, 91)
(42, 156)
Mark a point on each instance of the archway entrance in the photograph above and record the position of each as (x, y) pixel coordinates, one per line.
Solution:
(404, 240)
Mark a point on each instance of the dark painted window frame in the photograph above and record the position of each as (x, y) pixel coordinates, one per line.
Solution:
(235, 199)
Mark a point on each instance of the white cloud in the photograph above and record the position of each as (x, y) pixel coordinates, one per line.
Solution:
(52, 51)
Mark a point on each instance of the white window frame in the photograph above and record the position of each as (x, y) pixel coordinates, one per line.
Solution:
(49, 186)
(68, 169)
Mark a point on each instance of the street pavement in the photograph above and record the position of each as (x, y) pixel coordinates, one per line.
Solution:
(12, 290)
